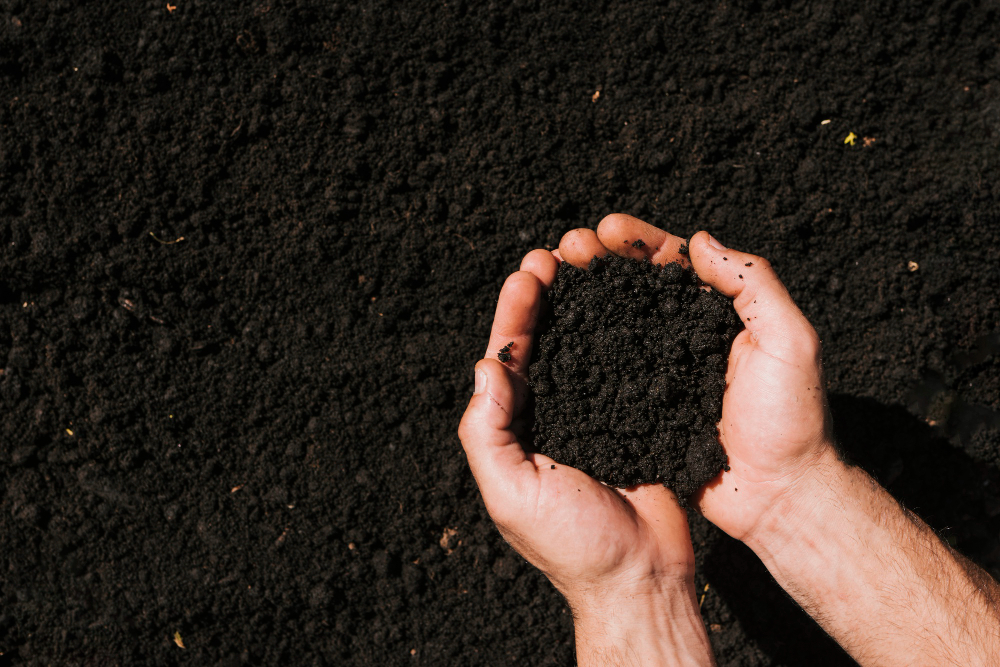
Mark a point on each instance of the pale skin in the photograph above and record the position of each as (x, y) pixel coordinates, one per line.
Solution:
(872, 574)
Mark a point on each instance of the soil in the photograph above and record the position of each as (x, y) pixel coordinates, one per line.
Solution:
(629, 374)
(249, 255)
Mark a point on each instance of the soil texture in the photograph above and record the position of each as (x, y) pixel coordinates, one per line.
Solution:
(629, 373)
(250, 253)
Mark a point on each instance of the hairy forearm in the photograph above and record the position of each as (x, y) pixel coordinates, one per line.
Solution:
(876, 577)
(661, 628)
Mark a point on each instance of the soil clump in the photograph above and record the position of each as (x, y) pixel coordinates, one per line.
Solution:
(630, 373)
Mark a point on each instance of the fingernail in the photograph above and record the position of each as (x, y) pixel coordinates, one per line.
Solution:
(480, 381)
(715, 244)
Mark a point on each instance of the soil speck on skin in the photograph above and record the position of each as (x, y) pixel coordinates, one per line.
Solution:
(504, 354)
(638, 243)
(629, 374)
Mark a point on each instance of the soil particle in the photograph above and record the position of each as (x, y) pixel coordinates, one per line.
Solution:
(630, 372)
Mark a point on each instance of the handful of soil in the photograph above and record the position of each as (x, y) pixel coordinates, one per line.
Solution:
(629, 374)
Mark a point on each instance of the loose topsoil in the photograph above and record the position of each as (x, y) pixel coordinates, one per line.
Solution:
(249, 255)
(629, 374)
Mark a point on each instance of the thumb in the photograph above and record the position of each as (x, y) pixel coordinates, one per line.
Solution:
(496, 457)
(761, 300)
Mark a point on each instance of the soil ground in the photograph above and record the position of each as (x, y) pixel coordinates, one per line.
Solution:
(248, 257)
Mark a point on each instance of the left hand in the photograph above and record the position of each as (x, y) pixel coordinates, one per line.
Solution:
(595, 543)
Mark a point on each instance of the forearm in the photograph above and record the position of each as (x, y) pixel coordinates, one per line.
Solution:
(876, 577)
(660, 628)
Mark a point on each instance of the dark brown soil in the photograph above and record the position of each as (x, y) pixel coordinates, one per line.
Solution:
(629, 374)
(247, 436)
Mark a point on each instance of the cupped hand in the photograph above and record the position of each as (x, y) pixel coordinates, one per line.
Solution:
(596, 544)
(775, 425)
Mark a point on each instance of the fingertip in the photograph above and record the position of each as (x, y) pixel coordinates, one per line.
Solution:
(514, 322)
(703, 237)
(759, 296)
(580, 246)
(492, 369)
(631, 237)
(619, 231)
(542, 264)
(700, 245)
(521, 287)
(719, 267)
(615, 224)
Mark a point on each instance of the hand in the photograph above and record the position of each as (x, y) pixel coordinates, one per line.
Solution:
(622, 558)
(775, 423)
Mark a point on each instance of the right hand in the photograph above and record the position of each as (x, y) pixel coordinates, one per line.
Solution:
(775, 425)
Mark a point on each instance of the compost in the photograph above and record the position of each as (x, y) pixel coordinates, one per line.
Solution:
(250, 253)
(630, 371)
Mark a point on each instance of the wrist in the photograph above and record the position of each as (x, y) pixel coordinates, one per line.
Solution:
(808, 504)
(873, 575)
(656, 623)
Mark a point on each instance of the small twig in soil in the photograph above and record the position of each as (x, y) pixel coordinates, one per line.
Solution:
(465, 239)
(158, 240)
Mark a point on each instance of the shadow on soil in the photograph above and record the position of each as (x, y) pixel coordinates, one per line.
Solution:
(953, 493)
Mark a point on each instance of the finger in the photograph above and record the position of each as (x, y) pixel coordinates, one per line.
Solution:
(496, 458)
(515, 319)
(579, 246)
(764, 305)
(542, 264)
(622, 234)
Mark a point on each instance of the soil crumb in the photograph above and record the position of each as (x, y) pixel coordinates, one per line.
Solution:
(629, 374)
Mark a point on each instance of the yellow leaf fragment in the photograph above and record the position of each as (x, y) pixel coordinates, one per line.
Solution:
(171, 8)
(595, 96)
(178, 640)
(850, 138)
(69, 431)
